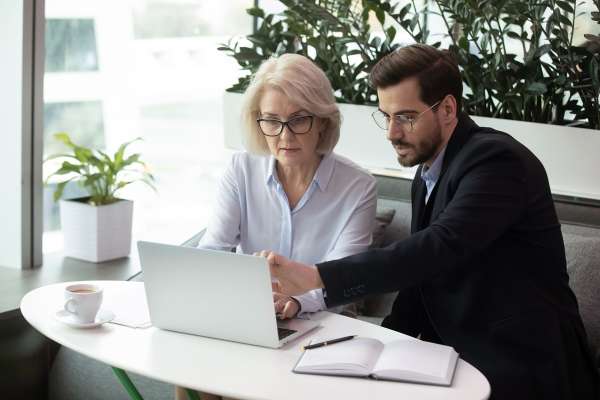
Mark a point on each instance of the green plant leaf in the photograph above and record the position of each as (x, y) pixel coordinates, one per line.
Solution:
(60, 188)
(96, 171)
(391, 33)
(120, 153)
(379, 13)
(594, 74)
(59, 155)
(82, 154)
(105, 158)
(537, 88)
(122, 184)
(134, 158)
(64, 138)
(58, 192)
(68, 168)
(149, 182)
(564, 20)
(513, 35)
(91, 180)
(256, 12)
(544, 49)
(403, 12)
(565, 6)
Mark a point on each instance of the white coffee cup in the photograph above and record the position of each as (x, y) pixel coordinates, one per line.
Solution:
(83, 301)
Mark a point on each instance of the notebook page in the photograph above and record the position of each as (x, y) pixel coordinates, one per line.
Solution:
(352, 357)
(415, 360)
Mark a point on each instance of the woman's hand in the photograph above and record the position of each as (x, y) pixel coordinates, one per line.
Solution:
(285, 306)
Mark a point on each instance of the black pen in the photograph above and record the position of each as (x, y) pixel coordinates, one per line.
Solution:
(328, 342)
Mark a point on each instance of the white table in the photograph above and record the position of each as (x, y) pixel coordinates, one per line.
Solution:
(233, 369)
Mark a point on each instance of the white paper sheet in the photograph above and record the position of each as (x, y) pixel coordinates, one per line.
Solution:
(129, 305)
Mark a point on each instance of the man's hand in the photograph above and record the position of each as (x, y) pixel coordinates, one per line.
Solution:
(293, 278)
(285, 306)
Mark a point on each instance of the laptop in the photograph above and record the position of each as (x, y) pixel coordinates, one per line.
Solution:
(216, 294)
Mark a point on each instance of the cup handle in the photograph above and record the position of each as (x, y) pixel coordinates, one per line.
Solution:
(67, 304)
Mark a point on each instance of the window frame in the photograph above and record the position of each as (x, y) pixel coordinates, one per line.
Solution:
(26, 27)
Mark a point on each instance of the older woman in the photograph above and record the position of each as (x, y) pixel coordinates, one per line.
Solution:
(289, 193)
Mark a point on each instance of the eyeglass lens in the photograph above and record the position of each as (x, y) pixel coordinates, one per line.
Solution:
(274, 127)
(406, 121)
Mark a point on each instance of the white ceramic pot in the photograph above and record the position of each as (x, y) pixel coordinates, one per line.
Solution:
(569, 154)
(96, 233)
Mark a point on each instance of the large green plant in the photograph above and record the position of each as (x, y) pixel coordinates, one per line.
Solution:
(517, 57)
(544, 78)
(335, 34)
(100, 174)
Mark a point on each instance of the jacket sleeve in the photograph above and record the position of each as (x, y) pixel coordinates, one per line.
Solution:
(489, 197)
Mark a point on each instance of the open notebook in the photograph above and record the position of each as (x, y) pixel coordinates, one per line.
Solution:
(401, 360)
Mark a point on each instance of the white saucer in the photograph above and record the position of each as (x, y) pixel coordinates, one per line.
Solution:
(67, 318)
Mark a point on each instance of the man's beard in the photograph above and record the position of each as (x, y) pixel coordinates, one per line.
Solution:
(422, 151)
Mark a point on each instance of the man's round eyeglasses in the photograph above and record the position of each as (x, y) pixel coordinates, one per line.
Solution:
(274, 127)
(406, 122)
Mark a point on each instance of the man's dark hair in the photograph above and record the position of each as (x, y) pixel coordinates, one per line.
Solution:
(436, 72)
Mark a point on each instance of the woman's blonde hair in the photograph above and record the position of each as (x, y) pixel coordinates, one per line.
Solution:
(305, 84)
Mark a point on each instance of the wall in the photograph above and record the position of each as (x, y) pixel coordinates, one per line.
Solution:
(568, 154)
(11, 69)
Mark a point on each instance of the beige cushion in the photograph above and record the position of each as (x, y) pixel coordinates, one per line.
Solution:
(383, 218)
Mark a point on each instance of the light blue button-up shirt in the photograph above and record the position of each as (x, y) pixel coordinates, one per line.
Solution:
(333, 219)
(432, 174)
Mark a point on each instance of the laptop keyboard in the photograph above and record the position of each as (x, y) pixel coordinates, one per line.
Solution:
(283, 333)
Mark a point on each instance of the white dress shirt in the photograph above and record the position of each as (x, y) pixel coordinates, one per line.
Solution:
(333, 219)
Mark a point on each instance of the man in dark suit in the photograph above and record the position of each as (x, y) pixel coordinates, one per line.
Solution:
(484, 270)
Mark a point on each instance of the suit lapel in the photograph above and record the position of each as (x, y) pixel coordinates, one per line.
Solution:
(421, 211)
(418, 201)
(462, 133)
(425, 217)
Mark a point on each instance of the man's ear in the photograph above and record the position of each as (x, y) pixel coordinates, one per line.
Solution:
(449, 108)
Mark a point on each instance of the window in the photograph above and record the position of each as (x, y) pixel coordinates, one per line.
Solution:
(70, 45)
(150, 69)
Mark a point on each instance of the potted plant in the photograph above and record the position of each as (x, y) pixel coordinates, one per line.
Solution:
(519, 59)
(523, 71)
(97, 227)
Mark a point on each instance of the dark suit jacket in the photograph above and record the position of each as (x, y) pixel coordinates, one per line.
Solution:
(484, 271)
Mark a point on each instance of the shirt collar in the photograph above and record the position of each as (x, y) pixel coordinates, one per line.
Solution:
(271, 171)
(324, 172)
(321, 178)
(431, 174)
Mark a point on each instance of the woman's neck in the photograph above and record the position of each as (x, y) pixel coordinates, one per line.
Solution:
(296, 179)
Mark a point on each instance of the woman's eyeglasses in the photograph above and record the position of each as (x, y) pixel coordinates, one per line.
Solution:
(297, 125)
